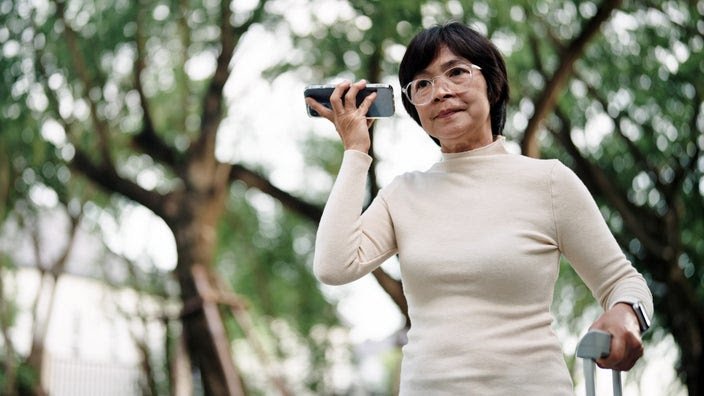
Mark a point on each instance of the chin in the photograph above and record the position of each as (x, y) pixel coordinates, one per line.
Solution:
(453, 132)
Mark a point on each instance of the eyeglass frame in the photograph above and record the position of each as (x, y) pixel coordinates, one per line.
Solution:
(472, 67)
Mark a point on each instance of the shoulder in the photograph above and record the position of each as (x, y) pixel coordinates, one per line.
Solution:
(561, 174)
(566, 186)
(554, 169)
(403, 181)
(527, 169)
(546, 165)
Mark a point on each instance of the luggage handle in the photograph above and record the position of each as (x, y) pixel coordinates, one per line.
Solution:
(594, 345)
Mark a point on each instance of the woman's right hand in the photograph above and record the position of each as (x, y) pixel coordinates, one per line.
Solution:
(350, 121)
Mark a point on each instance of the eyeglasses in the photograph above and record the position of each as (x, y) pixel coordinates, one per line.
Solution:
(458, 78)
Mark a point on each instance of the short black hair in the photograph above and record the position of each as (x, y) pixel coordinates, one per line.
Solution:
(469, 44)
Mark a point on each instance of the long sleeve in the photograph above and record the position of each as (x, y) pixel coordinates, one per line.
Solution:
(587, 243)
(479, 237)
(350, 244)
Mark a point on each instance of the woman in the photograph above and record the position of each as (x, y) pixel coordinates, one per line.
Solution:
(479, 235)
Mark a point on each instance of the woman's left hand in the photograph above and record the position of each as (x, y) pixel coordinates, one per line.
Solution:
(626, 347)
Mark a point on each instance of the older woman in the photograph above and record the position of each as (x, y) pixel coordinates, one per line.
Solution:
(479, 235)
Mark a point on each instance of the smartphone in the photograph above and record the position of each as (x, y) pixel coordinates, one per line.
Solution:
(383, 105)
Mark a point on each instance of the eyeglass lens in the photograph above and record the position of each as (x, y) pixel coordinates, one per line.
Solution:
(421, 91)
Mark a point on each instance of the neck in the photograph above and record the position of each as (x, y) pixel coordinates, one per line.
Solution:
(477, 141)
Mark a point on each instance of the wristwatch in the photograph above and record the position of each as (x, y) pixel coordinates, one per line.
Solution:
(642, 316)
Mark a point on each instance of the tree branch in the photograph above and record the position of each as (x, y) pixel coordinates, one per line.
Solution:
(535, 51)
(184, 33)
(59, 265)
(683, 169)
(632, 148)
(252, 179)
(213, 100)
(147, 139)
(257, 14)
(105, 176)
(7, 177)
(548, 98)
(312, 212)
(632, 216)
(204, 147)
(82, 70)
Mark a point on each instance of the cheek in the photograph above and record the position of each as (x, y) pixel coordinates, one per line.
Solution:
(486, 97)
(423, 117)
(484, 104)
(479, 102)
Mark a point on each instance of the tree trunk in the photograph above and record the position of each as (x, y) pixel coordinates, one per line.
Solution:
(35, 359)
(8, 364)
(684, 317)
(180, 372)
(192, 211)
(209, 348)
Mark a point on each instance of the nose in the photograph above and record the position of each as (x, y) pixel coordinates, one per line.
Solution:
(441, 89)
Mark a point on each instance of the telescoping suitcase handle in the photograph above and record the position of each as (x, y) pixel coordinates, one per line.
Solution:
(594, 345)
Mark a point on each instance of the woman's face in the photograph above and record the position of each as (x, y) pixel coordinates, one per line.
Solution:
(459, 120)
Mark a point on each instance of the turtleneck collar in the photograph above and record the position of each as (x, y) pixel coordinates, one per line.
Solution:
(493, 148)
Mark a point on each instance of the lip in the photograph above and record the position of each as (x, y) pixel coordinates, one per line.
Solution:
(446, 113)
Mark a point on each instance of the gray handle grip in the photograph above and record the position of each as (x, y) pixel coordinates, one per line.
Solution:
(594, 345)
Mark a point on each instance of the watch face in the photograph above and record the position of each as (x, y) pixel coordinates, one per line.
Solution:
(643, 320)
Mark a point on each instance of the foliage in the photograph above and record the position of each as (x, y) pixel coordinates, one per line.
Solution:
(83, 81)
(631, 112)
(266, 254)
(26, 378)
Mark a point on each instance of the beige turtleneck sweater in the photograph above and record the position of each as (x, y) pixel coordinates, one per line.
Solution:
(479, 237)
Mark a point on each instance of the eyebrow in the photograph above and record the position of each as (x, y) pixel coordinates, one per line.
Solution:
(444, 66)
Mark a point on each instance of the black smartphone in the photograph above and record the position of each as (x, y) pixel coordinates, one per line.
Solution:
(383, 105)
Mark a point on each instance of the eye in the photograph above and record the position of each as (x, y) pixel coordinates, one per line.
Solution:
(457, 71)
(422, 84)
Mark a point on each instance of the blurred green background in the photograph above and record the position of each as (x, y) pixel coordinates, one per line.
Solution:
(160, 183)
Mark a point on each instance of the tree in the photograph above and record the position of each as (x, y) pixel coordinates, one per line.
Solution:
(97, 79)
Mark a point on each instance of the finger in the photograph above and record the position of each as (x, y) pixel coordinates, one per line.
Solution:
(351, 95)
(628, 364)
(634, 351)
(624, 354)
(370, 121)
(616, 354)
(336, 96)
(319, 108)
(367, 103)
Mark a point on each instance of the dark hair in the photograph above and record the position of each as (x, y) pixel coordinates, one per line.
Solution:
(469, 44)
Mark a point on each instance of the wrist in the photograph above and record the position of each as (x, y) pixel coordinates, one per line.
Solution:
(358, 147)
(637, 312)
(641, 315)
